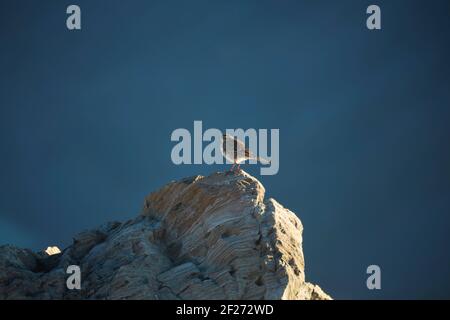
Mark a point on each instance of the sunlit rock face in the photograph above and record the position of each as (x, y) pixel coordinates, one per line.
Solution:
(52, 250)
(213, 237)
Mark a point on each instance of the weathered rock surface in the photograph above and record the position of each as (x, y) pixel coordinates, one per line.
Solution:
(212, 237)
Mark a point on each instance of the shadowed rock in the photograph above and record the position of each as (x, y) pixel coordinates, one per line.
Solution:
(213, 237)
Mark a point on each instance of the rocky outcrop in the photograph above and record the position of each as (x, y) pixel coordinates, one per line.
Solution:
(212, 237)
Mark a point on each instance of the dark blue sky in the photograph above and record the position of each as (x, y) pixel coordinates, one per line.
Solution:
(86, 119)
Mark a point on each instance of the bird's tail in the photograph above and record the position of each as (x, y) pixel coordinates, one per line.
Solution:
(263, 160)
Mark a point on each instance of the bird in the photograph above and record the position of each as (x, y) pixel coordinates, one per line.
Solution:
(239, 153)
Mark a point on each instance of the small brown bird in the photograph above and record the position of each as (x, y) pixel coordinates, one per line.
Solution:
(238, 153)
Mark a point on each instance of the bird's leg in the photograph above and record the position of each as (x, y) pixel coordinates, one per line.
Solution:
(239, 167)
(233, 167)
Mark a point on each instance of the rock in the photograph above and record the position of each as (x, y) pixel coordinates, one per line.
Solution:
(213, 237)
(52, 250)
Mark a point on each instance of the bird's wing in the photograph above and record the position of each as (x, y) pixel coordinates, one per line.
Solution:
(239, 146)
